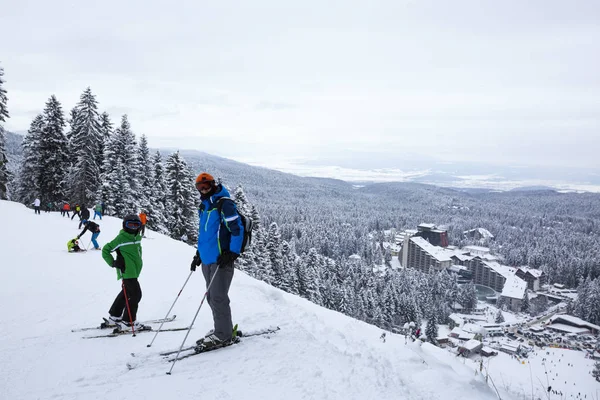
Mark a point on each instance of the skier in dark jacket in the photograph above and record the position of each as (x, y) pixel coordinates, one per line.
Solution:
(219, 244)
(95, 229)
(84, 215)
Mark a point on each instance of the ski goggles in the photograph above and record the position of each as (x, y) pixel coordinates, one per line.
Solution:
(133, 225)
(203, 186)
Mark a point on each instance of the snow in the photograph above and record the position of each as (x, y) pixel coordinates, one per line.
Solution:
(514, 287)
(317, 354)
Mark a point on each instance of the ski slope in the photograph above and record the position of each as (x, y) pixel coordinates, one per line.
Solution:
(317, 354)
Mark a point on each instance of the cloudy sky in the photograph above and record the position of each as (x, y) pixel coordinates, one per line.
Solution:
(508, 82)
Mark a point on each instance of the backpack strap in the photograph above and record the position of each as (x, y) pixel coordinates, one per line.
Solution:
(220, 206)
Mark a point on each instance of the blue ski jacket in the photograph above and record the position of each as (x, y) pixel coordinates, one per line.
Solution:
(218, 233)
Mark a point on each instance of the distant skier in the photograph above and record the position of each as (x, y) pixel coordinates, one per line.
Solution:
(65, 210)
(94, 228)
(98, 211)
(84, 215)
(128, 264)
(144, 219)
(36, 205)
(76, 211)
(49, 206)
(219, 244)
(73, 246)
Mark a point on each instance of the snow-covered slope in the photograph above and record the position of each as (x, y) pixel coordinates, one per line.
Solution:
(318, 354)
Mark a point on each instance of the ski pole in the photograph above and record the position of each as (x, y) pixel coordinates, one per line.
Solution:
(194, 320)
(169, 312)
(127, 304)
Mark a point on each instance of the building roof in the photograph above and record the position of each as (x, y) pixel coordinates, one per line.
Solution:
(536, 273)
(427, 226)
(573, 320)
(471, 344)
(478, 248)
(466, 336)
(503, 270)
(568, 328)
(434, 251)
(514, 287)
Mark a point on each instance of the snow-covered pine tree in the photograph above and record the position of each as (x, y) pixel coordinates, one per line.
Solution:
(499, 317)
(146, 175)
(5, 176)
(86, 145)
(181, 200)
(4, 173)
(28, 182)
(3, 98)
(431, 331)
(275, 254)
(158, 196)
(106, 130)
(596, 371)
(53, 154)
(525, 306)
(119, 183)
(310, 277)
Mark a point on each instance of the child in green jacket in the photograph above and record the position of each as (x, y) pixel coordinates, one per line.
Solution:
(127, 246)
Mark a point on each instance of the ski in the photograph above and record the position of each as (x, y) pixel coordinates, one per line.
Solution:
(118, 332)
(104, 326)
(240, 334)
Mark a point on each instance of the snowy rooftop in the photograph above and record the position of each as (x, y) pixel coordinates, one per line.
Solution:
(472, 344)
(574, 320)
(514, 287)
(466, 336)
(568, 328)
(503, 270)
(434, 251)
(536, 273)
(482, 231)
(427, 226)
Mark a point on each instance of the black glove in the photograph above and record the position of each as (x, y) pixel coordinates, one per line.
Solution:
(119, 264)
(227, 258)
(196, 261)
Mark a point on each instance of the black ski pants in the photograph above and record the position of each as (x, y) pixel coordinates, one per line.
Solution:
(37, 209)
(134, 295)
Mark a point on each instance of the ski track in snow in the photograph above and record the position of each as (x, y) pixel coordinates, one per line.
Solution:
(317, 354)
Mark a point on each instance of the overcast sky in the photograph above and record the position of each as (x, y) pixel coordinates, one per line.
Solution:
(510, 82)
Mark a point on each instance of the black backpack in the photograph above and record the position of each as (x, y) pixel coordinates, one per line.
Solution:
(246, 222)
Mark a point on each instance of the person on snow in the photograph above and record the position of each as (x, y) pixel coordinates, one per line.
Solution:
(95, 229)
(36, 205)
(73, 246)
(84, 215)
(144, 219)
(65, 210)
(98, 211)
(49, 206)
(76, 211)
(128, 264)
(220, 239)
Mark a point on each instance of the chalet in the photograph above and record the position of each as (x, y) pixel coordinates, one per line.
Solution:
(513, 292)
(535, 278)
(470, 347)
(488, 351)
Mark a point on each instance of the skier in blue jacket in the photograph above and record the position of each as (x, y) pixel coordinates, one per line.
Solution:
(220, 239)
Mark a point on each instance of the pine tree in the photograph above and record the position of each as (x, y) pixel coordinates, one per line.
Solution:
(499, 317)
(181, 199)
(158, 196)
(119, 183)
(106, 130)
(3, 99)
(28, 184)
(596, 371)
(525, 306)
(5, 176)
(431, 331)
(86, 145)
(145, 178)
(53, 154)
(274, 251)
